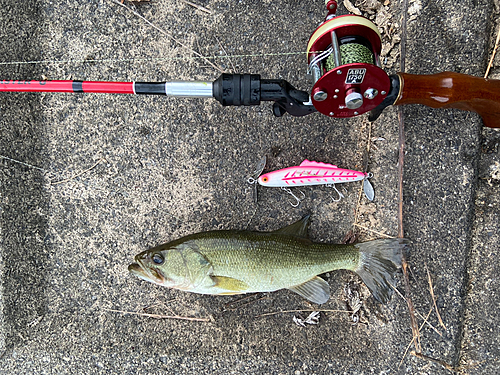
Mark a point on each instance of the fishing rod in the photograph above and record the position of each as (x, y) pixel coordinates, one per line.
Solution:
(343, 57)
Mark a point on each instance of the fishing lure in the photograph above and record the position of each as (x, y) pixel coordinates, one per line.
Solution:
(315, 173)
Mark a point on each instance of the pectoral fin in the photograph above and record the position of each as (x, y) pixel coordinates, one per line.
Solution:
(315, 290)
(229, 286)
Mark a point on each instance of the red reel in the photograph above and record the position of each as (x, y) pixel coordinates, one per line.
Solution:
(344, 59)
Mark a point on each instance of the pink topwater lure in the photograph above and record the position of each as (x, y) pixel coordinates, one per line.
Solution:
(314, 173)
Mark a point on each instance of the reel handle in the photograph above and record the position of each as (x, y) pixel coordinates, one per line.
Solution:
(453, 90)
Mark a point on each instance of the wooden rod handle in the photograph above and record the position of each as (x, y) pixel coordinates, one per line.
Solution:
(453, 90)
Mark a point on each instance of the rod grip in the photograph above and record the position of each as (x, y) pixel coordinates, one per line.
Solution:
(453, 90)
(237, 89)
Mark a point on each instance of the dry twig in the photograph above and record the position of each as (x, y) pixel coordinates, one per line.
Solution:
(234, 305)
(373, 231)
(294, 311)
(77, 175)
(411, 308)
(438, 361)
(433, 297)
(493, 54)
(360, 194)
(199, 7)
(413, 338)
(419, 314)
(157, 316)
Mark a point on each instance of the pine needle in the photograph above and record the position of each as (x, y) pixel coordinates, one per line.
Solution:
(431, 289)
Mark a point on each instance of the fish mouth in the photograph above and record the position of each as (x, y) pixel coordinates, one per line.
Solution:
(136, 269)
(143, 272)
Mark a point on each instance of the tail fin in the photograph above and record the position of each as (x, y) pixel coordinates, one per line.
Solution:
(378, 262)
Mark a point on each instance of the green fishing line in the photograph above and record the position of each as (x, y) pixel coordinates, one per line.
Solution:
(351, 53)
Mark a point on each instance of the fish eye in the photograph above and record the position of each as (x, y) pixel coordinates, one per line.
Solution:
(158, 258)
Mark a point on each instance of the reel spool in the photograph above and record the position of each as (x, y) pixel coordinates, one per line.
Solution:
(343, 55)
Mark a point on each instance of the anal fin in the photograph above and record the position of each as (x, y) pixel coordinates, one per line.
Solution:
(315, 290)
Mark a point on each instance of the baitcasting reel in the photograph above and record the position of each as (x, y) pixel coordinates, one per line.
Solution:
(343, 55)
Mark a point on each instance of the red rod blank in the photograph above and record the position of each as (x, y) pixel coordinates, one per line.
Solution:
(68, 86)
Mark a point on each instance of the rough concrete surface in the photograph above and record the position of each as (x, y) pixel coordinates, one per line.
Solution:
(88, 181)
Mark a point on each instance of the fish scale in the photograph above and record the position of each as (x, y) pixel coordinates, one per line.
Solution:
(289, 260)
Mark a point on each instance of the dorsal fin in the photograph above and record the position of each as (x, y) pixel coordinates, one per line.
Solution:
(308, 163)
(297, 229)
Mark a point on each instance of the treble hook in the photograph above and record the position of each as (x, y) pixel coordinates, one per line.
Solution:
(289, 191)
(338, 192)
(253, 181)
(255, 175)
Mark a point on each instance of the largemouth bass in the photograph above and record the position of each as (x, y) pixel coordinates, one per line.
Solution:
(236, 262)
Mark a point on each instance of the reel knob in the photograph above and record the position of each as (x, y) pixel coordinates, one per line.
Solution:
(354, 100)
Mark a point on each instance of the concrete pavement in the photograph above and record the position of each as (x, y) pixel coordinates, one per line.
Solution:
(89, 181)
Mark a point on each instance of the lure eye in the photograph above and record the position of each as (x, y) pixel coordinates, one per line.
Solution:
(158, 258)
(265, 179)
